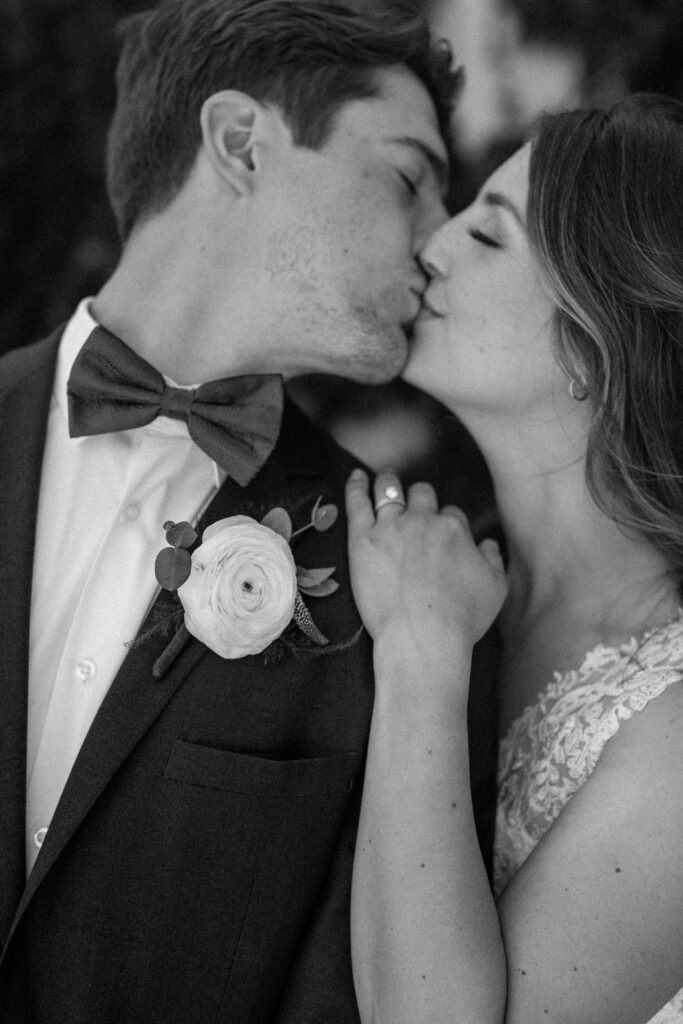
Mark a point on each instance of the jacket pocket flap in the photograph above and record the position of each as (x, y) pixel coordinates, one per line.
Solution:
(197, 765)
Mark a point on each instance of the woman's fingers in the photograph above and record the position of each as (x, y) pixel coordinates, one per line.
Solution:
(389, 500)
(490, 551)
(358, 505)
(456, 513)
(422, 499)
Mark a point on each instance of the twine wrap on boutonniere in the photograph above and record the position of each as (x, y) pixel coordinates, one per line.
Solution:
(240, 590)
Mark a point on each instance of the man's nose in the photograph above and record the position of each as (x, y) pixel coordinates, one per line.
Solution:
(433, 256)
(433, 219)
(434, 215)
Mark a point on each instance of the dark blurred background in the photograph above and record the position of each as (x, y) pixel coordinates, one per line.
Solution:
(57, 236)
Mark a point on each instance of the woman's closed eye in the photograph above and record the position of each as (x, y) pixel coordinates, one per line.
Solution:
(410, 184)
(479, 236)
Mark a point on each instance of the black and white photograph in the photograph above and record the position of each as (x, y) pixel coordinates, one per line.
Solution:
(341, 552)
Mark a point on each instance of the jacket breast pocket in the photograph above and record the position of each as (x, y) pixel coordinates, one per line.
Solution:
(258, 837)
(245, 774)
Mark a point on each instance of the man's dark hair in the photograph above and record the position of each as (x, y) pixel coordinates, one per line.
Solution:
(306, 57)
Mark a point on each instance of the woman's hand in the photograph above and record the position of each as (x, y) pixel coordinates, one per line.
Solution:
(417, 571)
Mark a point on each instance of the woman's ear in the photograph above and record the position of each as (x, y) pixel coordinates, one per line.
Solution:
(232, 126)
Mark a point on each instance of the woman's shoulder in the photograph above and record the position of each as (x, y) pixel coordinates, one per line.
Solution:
(609, 683)
(652, 664)
(564, 734)
(647, 713)
(615, 684)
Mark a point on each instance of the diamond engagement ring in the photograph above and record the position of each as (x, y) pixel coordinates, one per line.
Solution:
(392, 496)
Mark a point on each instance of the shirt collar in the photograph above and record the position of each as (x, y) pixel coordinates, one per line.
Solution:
(79, 327)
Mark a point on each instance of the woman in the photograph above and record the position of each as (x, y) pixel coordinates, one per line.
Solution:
(553, 327)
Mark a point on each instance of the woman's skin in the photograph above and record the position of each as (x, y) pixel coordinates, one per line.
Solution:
(591, 927)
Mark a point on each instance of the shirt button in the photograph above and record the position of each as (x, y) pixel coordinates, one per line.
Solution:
(132, 511)
(86, 669)
(39, 837)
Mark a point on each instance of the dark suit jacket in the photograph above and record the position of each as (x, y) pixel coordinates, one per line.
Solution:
(198, 865)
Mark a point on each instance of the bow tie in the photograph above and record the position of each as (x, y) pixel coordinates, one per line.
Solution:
(236, 421)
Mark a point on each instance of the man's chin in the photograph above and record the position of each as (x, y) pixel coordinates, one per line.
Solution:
(382, 358)
(376, 373)
(396, 360)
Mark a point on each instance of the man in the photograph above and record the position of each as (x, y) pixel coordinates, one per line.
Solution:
(182, 847)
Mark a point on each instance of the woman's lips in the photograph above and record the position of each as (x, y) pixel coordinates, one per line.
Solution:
(429, 309)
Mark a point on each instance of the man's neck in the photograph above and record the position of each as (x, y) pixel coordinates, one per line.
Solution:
(184, 304)
(157, 324)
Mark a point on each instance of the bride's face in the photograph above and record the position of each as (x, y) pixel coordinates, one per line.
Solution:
(484, 339)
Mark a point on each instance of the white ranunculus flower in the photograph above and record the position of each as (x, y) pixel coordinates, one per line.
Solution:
(240, 594)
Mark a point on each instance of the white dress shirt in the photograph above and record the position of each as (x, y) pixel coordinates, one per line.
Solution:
(103, 502)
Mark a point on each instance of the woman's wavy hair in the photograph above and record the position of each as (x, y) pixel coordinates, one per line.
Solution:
(306, 57)
(605, 214)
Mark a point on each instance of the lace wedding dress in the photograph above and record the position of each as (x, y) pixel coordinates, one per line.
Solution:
(553, 745)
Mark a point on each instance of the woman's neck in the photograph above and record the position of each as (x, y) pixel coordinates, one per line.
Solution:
(567, 559)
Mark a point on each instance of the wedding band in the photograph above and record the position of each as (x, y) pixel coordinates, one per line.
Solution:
(392, 496)
(389, 501)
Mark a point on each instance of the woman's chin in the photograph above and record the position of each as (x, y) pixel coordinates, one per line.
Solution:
(421, 369)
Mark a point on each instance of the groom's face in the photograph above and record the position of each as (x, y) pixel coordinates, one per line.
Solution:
(346, 224)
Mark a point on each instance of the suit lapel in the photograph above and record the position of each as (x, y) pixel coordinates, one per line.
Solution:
(135, 699)
(24, 403)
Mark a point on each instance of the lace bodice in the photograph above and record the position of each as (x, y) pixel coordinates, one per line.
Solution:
(554, 744)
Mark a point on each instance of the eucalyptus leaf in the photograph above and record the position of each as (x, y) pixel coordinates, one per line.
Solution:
(312, 577)
(181, 535)
(278, 520)
(324, 589)
(324, 516)
(172, 567)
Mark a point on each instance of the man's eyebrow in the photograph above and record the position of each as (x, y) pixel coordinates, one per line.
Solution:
(438, 165)
(498, 199)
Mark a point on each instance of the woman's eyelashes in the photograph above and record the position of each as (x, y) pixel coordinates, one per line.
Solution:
(479, 236)
(409, 183)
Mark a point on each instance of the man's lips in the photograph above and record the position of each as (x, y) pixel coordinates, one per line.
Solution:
(424, 308)
(409, 322)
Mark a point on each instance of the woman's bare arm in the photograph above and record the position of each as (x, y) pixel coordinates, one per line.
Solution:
(590, 930)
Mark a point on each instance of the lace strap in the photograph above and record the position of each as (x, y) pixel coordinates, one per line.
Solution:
(622, 702)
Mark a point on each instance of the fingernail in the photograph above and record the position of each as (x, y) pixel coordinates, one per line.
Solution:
(357, 474)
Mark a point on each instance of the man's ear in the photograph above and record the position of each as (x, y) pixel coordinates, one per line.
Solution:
(232, 126)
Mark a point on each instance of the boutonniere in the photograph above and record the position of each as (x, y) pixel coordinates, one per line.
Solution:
(241, 590)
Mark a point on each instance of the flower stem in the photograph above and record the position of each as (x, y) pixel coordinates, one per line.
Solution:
(171, 652)
(302, 529)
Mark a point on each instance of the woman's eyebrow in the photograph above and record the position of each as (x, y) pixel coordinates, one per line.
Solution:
(498, 199)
